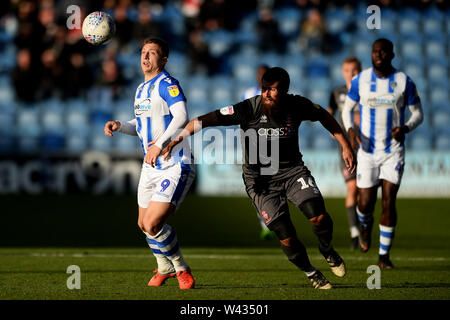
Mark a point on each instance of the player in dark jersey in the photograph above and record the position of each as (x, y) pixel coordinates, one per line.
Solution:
(273, 118)
(351, 66)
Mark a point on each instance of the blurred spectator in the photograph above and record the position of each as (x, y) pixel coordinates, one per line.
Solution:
(24, 77)
(145, 26)
(27, 11)
(47, 24)
(111, 78)
(270, 38)
(27, 37)
(191, 12)
(124, 26)
(217, 14)
(198, 52)
(108, 6)
(314, 36)
(77, 76)
(29, 32)
(320, 5)
(51, 75)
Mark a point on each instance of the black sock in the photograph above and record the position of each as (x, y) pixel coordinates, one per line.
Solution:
(296, 253)
(324, 232)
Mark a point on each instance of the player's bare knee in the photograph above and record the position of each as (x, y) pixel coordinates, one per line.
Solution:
(151, 228)
(317, 221)
(286, 242)
(365, 207)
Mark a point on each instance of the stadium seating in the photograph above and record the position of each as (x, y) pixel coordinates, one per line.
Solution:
(420, 139)
(221, 91)
(289, 21)
(219, 41)
(422, 48)
(443, 141)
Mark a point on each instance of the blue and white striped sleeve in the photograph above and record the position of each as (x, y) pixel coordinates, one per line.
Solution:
(414, 105)
(171, 91)
(128, 127)
(353, 93)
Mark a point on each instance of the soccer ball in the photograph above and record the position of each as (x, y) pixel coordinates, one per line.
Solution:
(98, 28)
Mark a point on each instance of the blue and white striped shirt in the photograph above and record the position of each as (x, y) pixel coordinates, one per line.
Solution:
(152, 104)
(382, 106)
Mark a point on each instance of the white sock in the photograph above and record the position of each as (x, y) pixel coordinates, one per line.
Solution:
(165, 266)
(386, 238)
(364, 218)
(165, 244)
(310, 273)
(354, 231)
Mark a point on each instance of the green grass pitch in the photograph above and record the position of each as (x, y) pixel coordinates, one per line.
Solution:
(220, 242)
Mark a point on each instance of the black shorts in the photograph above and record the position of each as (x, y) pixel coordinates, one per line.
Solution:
(269, 194)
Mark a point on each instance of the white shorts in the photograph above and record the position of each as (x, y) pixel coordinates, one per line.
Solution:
(166, 185)
(378, 166)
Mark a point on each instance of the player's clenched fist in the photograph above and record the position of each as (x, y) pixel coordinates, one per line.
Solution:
(111, 126)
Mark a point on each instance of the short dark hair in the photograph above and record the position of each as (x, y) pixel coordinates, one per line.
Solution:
(388, 43)
(353, 59)
(160, 42)
(278, 74)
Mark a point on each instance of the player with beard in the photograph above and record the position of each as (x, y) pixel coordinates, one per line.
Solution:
(274, 118)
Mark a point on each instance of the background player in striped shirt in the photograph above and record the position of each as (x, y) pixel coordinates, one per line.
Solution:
(351, 66)
(160, 110)
(382, 93)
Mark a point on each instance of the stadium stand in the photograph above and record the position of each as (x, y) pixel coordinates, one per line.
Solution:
(56, 124)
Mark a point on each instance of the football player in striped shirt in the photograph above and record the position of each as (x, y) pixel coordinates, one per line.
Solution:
(382, 93)
(160, 110)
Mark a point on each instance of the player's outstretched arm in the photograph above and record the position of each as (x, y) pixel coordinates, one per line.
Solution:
(128, 127)
(335, 129)
(193, 126)
(347, 110)
(110, 127)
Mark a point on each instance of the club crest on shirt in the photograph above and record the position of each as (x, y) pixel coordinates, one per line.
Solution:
(227, 111)
(263, 118)
(173, 90)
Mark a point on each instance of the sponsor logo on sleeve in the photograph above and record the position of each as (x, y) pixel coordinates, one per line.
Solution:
(227, 111)
(173, 90)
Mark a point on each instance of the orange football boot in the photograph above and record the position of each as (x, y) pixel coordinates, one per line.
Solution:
(158, 279)
(185, 279)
